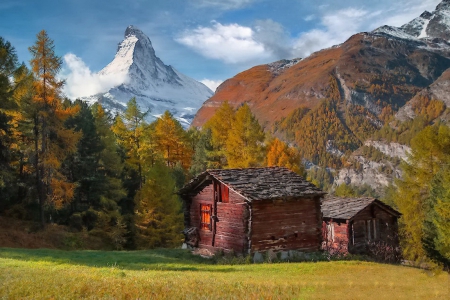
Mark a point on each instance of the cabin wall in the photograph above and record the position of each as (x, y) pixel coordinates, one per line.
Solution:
(335, 236)
(230, 225)
(372, 224)
(205, 196)
(286, 225)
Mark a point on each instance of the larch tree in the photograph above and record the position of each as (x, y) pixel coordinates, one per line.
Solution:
(219, 125)
(244, 146)
(430, 152)
(172, 141)
(52, 141)
(280, 154)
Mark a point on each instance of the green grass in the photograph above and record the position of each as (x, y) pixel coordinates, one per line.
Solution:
(176, 274)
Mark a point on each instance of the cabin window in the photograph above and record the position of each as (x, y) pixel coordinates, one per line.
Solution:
(205, 216)
(372, 229)
(224, 193)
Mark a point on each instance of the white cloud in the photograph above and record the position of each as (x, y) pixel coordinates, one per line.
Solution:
(336, 28)
(230, 43)
(212, 84)
(268, 40)
(81, 82)
(309, 18)
(223, 4)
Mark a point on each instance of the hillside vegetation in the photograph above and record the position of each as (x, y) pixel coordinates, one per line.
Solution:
(177, 274)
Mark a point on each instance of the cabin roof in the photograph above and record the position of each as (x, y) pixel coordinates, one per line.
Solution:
(256, 183)
(347, 208)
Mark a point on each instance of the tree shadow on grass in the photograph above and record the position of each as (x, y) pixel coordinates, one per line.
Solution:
(157, 259)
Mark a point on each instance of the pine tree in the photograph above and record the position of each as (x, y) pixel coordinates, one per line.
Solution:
(244, 146)
(52, 141)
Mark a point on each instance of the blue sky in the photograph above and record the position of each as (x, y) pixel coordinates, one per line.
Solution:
(209, 40)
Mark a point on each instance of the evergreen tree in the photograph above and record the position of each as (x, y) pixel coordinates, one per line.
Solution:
(244, 146)
(8, 68)
(202, 159)
(129, 129)
(52, 141)
(159, 218)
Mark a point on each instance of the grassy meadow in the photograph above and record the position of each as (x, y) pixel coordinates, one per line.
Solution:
(177, 274)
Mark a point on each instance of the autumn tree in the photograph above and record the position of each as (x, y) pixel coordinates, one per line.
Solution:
(52, 141)
(430, 152)
(244, 145)
(172, 141)
(280, 154)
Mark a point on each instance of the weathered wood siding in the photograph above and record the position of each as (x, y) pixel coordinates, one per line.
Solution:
(286, 225)
(383, 227)
(205, 196)
(231, 225)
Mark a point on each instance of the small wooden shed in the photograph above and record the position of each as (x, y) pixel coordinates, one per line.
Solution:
(350, 224)
(253, 209)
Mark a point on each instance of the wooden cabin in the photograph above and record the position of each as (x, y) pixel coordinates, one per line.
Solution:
(351, 224)
(254, 209)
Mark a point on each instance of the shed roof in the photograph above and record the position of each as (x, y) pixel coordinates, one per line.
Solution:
(347, 208)
(257, 183)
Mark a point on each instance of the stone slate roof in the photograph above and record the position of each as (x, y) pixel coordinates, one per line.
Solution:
(257, 183)
(347, 208)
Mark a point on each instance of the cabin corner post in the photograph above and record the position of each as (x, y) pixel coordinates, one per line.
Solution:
(318, 200)
(249, 227)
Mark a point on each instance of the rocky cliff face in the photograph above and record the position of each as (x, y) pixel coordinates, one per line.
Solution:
(155, 86)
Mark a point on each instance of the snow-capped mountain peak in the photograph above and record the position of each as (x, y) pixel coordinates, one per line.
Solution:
(155, 86)
(428, 25)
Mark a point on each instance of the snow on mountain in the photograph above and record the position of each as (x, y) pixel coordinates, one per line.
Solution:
(155, 86)
(427, 26)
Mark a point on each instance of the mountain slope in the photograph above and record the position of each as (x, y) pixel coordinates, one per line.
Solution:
(156, 86)
(337, 100)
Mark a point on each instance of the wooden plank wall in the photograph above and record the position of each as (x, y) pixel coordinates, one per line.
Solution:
(231, 228)
(387, 228)
(231, 225)
(206, 196)
(286, 225)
